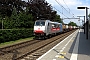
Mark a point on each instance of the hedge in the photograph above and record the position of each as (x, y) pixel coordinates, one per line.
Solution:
(7, 35)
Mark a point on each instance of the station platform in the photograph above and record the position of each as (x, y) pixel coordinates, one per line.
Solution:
(74, 47)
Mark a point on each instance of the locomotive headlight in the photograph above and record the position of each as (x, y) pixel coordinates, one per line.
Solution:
(43, 30)
(34, 31)
(42, 34)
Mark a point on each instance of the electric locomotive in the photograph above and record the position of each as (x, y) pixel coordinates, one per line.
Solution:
(46, 28)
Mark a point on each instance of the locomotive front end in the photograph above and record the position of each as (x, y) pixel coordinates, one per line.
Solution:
(39, 28)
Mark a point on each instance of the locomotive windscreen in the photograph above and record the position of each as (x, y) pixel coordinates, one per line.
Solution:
(40, 23)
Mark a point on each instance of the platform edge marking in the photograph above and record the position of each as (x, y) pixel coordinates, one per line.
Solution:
(75, 50)
(56, 46)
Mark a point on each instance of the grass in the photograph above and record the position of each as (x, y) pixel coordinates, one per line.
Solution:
(14, 42)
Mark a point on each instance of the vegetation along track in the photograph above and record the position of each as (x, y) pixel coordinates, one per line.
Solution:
(33, 49)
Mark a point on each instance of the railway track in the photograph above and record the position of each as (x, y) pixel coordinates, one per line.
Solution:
(30, 50)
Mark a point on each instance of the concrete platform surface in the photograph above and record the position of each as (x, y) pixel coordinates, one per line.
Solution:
(74, 47)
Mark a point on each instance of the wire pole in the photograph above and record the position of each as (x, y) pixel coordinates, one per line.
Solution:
(86, 23)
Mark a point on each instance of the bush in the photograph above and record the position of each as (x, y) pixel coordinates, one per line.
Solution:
(13, 34)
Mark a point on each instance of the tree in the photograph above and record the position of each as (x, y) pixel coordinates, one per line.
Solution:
(58, 19)
(6, 6)
(25, 20)
(0, 22)
(10, 22)
(21, 20)
(72, 23)
(41, 9)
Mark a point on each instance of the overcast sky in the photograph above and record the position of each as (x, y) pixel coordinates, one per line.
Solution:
(69, 8)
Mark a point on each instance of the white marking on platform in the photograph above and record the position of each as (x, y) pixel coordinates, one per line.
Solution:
(54, 59)
(66, 44)
(22, 59)
(63, 53)
(55, 46)
(75, 50)
(74, 57)
(57, 56)
(27, 57)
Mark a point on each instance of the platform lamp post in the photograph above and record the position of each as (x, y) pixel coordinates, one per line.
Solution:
(83, 23)
(86, 19)
(79, 22)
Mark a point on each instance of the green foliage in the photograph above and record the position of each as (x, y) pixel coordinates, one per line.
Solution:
(6, 6)
(16, 26)
(0, 23)
(58, 19)
(21, 20)
(72, 23)
(12, 35)
(16, 17)
(25, 21)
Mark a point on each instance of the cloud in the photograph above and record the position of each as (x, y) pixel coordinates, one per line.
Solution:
(68, 2)
(72, 8)
(52, 2)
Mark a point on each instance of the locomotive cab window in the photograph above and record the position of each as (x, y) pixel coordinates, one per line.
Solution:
(40, 23)
(53, 26)
(48, 24)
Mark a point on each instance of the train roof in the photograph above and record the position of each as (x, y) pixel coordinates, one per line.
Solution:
(56, 23)
(50, 21)
(42, 20)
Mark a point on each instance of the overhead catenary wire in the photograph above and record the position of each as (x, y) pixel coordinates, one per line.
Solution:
(64, 7)
(67, 6)
(61, 12)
